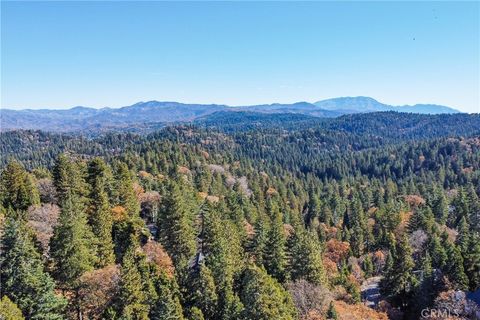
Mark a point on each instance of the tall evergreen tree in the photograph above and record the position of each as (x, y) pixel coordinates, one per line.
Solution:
(472, 261)
(437, 252)
(68, 179)
(259, 241)
(223, 256)
(71, 246)
(132, 301)
(386, 282)
(100, 214)
(203, 292)
(454, 267)
(127, 226)
(314, 207)
(124, 191)
(440, 207)
(463, 235)
(167, 304)
(306, 258)
(276, 259)
(22, 275)
(17, 188)
(367, 266)
(424, 293)
(264, 298)
(357, 226)
(399, 280)
(176, 227)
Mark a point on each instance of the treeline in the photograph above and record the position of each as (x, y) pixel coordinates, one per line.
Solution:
(318, 135)
(387, 125)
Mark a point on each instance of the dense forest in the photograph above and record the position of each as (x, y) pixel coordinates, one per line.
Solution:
(245, 216)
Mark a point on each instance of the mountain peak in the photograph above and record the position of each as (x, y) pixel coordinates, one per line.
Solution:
(151, 103)
(357, 98)
(352, 104)
(367, 104)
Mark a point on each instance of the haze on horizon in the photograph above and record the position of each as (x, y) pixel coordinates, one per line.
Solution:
(112, 54)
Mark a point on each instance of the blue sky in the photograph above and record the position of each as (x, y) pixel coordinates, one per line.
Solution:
(64, 54)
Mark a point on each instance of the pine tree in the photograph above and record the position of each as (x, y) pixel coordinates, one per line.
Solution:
(473, 205)
(276, 260)
(223, 256)
(424, 293)
(71, 245)
(472, 262)
(313, 207)
(331, 312)
(235, 210)
(128, 225)
(437, 252)
(100, 215)
(306, 258)
(440, 207)
(167, 304)
(326, 215)
(68, 179)
(392, 244)
(132, 302)
(124, 191)
(386, 281)
(259, 241)
(454, 267)
(22, 275)
(399, 280)
(368, 265)
(203, 292)
(124, 232)
(357, 239)
(264, 298)
(17, 188)
(463, 235)
(461, 207)
(176, 227)
(151, 274)
(428, 220)
(357, 226)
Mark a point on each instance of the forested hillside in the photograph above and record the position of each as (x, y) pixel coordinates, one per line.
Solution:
(257, 216)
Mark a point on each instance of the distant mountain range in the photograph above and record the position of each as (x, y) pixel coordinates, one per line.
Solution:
(349, 105)
(156, 113)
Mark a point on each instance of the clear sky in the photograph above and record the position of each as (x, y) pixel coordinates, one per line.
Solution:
(64, 54)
